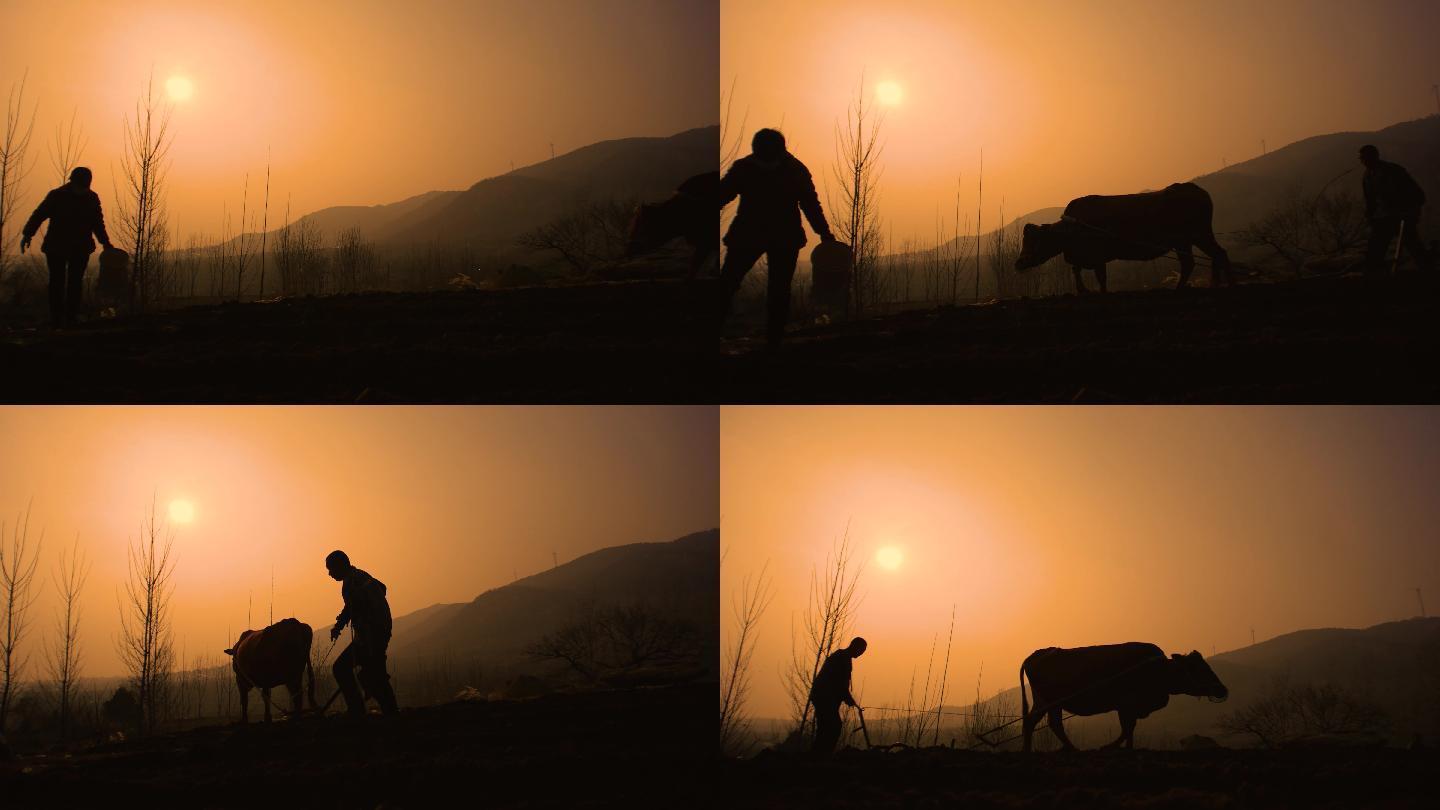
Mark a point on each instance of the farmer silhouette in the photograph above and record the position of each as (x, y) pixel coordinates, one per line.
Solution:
(774, 187)
(1392, 205)
(830, 689)
(74, 214)
(367, 611)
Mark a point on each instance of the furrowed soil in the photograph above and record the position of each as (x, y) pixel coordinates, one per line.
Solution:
(1326, 339)
(1219, 778)
(640, 747)
(619, 341)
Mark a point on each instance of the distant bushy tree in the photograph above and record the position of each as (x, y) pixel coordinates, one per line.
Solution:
(1293, 711)
(588, 234)
(1303, 230)
(605, 642)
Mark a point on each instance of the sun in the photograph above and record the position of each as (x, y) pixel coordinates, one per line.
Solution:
(179, 88)
(890, 558)
(182, 511)
(889, 93)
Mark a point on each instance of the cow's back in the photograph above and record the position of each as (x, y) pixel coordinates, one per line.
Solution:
(276, 655)
(1178, 214)
(1093, 680)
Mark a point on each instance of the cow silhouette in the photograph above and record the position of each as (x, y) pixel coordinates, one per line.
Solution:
(689, 213)
(1098, 229)
(1134, 679)
(279, 655)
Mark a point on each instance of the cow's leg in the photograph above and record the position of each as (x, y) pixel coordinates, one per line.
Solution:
(1220, 272)
(1079, 281)
(244, 704)
(1127, 729)
(1027, 726)
(1187, 265)
(265, 696)
(1057, 725)
(1100, 277)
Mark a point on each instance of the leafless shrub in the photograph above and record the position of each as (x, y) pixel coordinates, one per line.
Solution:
(1290, 711)
(748, 606)
(146, 645)
(1302, 230)
(857, 205)
(17, 577)
(65, 656)
(144, 164)
(14, 167)
(601, 643)
(355, 261)
(588, 234)
(828, 619)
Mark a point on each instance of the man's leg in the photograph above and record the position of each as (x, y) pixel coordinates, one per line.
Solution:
(777, 296)
(344, 669)
(827, 728)
(56, 263)
(1381, 232)
(75, 284)
(1413, 245)
(377, 681)
(738, 261)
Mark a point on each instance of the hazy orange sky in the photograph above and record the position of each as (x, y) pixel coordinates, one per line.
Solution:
(363, 101)
(438, 503)
(1070, 98)
(1184, 527)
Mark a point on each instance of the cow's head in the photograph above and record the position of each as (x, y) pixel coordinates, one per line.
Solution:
(1192, 675)
(1038, 244)
(646, 231)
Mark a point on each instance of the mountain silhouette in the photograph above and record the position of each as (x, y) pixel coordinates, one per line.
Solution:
(679, 578)
(493, 212)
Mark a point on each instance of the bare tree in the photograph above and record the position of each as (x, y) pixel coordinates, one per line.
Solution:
(750, 604)
(146, 644)
(589, 233)
(17, 576)
(300, 258)
(14, 146)
(65, 151)
(65, 657)
(355, 260)
(1303, 231)
(601, 643)
(144, 163)
(1293, 711)
(826, 622)
(857, 173)
(265, 224)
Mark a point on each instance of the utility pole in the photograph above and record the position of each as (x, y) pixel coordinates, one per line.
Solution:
(552, 150)
(555, 558)
(1252, 635)
(1436, 89)
(1263, 150)
(1420, 596)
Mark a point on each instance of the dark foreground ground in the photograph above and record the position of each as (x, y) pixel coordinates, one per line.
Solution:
(1388, 778)
(633, 341)
(638, 748)
(1329, 339)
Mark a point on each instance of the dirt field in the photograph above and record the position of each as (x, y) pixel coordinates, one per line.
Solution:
(639, 747)
(1088, 779)
(636, 341)
(1331, 339)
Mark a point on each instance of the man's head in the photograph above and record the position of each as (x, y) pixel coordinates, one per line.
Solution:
(857, 647)
(1369, 155)
(337, 563)
(80, 177)
(768, 144)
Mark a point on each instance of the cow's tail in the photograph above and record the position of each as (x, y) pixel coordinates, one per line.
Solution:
(1024, 703)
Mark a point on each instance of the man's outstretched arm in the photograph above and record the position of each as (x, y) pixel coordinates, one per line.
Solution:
(32, 225)
(810, 205)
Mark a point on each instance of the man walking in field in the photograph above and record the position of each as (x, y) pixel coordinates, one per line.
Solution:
(366, 610)
(74, 214)
(774, 187)
(1392, 205)
(830, 689)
